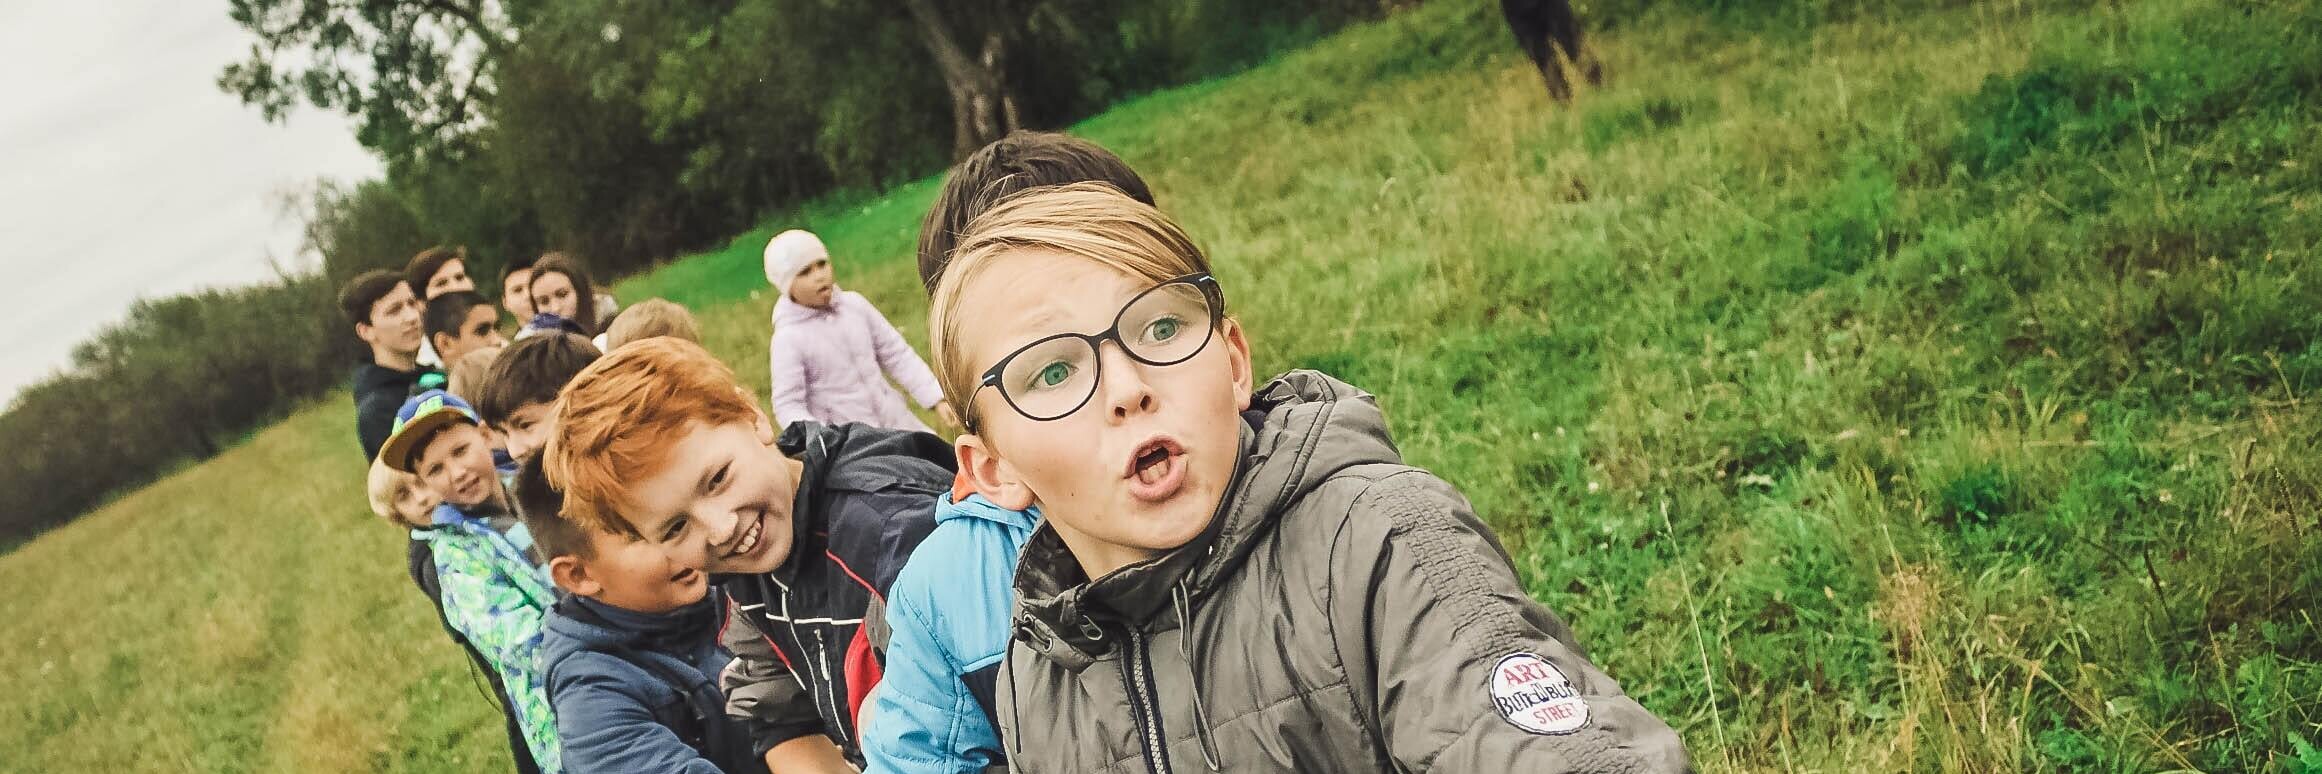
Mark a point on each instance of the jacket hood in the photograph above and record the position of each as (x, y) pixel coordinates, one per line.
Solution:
(842, 457)
(975, 507)
(583, 624)
(1302, 428)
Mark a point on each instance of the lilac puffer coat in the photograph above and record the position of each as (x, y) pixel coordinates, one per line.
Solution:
(832, 365)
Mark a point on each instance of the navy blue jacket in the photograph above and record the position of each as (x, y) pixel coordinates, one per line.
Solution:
(810, 637)
(638, 692)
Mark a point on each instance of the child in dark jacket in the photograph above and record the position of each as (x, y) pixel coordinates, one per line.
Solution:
(806, 533)
(631, 654)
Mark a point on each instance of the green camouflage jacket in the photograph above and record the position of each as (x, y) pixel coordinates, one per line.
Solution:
(495, 597)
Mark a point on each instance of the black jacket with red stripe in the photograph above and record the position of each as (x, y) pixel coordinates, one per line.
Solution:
(866, 499)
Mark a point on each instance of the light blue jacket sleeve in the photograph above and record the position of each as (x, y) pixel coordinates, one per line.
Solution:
(948, 615)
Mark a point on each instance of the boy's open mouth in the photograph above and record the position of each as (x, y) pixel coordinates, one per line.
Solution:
(1156, 469)
(685, 577)
(751, 534)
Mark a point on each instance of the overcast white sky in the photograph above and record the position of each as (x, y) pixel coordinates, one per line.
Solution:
(126, 173)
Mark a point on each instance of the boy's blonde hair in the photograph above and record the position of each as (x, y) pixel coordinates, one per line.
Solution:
(1093, 221)
(649, 318)
(619, 417)
(467, 375)
(384, 487)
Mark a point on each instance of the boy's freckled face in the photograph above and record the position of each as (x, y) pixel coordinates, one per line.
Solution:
(516, 294)
(456, 465)
(552, 293)
(648, 575)
(1141, 467)
(527, 429)
(728, 491)
(452, 276)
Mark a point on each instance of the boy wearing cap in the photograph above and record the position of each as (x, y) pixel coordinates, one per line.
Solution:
(832, 351)
(491, 591)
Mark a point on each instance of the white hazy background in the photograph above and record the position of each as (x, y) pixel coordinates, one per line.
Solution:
(125, 173)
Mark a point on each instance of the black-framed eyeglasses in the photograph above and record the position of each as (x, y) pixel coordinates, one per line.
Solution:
(1053, 377)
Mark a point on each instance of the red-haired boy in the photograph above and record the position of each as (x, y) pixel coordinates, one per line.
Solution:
(805, 532)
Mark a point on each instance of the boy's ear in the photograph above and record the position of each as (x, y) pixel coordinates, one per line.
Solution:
(992, 476)
(759, 422)
(1238, 359)
(572, 575)
(439, 340)
(363, 331)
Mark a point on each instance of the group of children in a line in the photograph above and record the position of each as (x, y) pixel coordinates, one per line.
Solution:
(1137, 557)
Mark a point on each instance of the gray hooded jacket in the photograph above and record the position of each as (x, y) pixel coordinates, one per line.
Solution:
(1343, 613)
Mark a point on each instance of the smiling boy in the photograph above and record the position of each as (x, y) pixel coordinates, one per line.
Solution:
(631, 654)
(490, 591)
(1225, 577)
(804, 532)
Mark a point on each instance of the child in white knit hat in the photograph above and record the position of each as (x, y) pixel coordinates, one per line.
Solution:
(833, 352)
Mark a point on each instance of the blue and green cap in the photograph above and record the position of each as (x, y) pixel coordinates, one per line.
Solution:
(418, 420)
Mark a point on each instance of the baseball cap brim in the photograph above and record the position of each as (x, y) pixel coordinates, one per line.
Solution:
(405, 442)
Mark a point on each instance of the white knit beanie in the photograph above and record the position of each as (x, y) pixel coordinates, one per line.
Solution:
(789, 253)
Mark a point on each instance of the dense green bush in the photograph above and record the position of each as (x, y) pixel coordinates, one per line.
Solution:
(180, 379)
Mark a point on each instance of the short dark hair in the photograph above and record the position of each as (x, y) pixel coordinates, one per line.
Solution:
(1005, 168)
(532, 371)
(542, 509)
(520, 263)
(586, 291)
(429, 261)
(446, 312)
(364, 291)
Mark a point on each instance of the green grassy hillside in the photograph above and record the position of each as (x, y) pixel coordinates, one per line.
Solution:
(1913, 393)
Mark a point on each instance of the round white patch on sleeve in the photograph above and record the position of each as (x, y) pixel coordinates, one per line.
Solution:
(1535, 696)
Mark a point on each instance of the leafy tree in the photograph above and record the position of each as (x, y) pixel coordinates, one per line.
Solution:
(416, 73)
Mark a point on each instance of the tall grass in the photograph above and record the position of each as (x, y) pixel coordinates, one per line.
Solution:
(1890, 390)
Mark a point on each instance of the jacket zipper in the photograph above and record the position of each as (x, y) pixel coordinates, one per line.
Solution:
(829, 711)
(1138, 673)
(830, 687)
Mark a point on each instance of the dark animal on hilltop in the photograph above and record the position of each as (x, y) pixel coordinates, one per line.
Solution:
(1549, 33)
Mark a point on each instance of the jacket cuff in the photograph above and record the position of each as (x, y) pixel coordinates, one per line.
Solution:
(770, 736)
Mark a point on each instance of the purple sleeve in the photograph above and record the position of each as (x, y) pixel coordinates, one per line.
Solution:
(898, 359)
(788, 372)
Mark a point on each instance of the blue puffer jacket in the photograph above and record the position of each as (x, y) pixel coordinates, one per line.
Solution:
(638, 692)
(933, 710)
